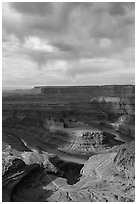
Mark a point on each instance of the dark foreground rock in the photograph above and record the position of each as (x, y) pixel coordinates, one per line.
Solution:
(15, 174)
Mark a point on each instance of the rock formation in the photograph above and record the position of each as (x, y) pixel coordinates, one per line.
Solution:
(69, 144)
(85, 92)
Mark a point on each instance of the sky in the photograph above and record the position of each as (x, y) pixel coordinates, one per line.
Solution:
(56, 43)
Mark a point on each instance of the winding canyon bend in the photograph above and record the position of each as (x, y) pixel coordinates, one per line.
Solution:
(69, 144)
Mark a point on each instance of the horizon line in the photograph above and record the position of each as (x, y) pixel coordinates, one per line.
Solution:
(40, 86)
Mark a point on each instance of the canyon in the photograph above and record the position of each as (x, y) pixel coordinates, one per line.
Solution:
(69, 144)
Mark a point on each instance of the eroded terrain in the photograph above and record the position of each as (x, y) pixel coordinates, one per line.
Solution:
(73, 147)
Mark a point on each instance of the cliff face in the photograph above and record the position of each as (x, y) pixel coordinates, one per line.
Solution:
(88, 92)
(120, 112)
(114, 104)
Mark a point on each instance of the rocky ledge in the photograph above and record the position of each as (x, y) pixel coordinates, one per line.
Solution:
(103, 178)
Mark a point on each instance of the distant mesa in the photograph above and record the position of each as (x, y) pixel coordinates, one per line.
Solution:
(86, 92)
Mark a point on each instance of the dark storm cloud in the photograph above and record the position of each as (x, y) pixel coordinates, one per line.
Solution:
(78, 36)
(117, 8)
(56, 20)
(35, 8)
(41, 18)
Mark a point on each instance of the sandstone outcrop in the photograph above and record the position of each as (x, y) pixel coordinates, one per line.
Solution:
(125, 158)
(102, 180)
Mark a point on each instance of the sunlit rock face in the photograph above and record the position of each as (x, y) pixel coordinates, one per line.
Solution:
(90, 141)
(125, 158)
(34, 157)
(83, 141)
(42, 159)
(7, 157)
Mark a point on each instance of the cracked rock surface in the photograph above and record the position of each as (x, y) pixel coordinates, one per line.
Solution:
(101, 181)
